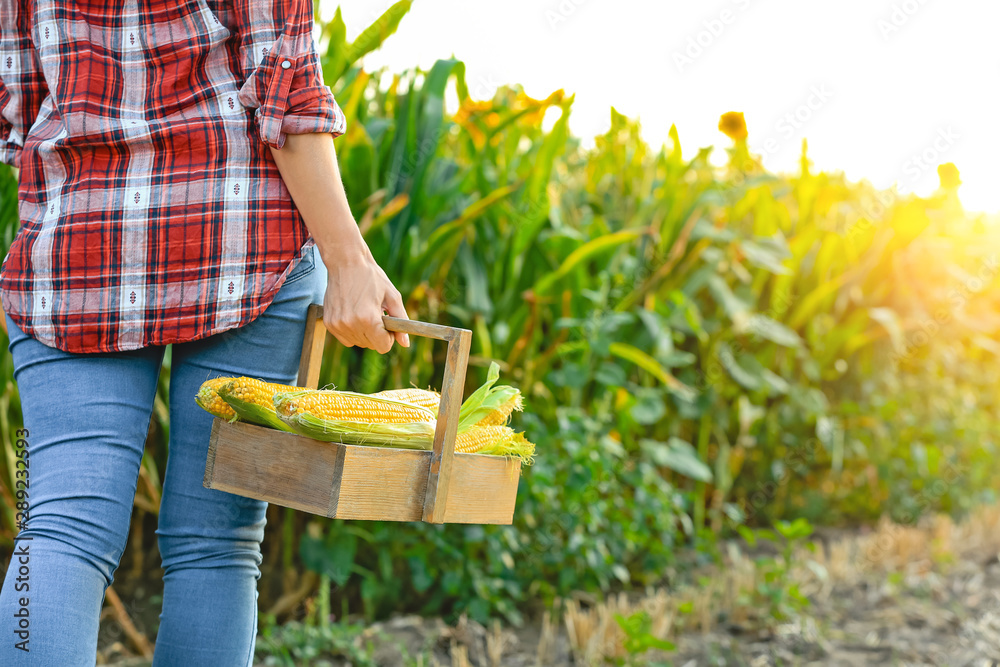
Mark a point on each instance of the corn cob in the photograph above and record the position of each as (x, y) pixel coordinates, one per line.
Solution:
(422, 397)
(497, 440)
(258, 392)
(352, 407)
(482, 438)
(343, 416)
(497, 406)
(253, 400)
(397, 417)
(210, 401)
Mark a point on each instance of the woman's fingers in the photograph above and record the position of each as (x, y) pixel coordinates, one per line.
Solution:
(341, 321)
(394, 307)
(354, 328)
(353, 306)
(335, 327)
(378, 337)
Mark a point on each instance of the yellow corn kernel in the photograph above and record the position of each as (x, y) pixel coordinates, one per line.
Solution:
(257, 392)
(495, 440)
(480, 438)
(345, 406)
(208, 398)
(501, 415)
(425, 398)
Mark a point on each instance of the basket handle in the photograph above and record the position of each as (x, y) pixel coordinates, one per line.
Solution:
(459, 342)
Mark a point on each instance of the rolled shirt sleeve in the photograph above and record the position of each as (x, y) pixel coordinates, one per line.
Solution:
(22, 83)
(283, 74)
(10, 147)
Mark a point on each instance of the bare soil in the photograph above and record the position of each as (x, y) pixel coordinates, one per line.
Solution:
(914, 596)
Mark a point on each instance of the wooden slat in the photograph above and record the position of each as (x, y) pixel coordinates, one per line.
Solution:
(338, 474)
(439, 474)
(271, 465)
(383, 484)
(483, 489)
(312, 347)
(210, 462)
(387, 485)
(417, 328)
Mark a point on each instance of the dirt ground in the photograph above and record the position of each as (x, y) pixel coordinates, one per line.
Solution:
(951, 620)
(915, 596)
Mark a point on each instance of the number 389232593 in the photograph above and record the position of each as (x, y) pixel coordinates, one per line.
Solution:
(21, 477)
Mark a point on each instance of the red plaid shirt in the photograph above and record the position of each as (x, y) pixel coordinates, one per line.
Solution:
(151, 209)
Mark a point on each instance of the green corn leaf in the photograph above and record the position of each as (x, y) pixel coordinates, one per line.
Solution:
(769, 329)
(446, 235)
(742, 376)
(767, 253)
(678, 455)
(584, 253)
(733, 306)
(369, 40)
(335, 62)
(648, 364)
(535, 198)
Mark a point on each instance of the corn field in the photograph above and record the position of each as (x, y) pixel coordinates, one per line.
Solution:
(699, 347)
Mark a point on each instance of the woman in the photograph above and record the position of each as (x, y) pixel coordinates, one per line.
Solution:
(177, 173)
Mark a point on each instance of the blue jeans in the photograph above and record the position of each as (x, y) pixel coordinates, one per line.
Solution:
(87, 416)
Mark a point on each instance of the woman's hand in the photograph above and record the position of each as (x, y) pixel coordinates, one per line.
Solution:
(357, 291)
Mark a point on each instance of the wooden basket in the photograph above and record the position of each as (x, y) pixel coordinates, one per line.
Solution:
(364, 482)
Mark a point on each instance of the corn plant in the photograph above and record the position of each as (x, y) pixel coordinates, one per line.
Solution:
(699, 347)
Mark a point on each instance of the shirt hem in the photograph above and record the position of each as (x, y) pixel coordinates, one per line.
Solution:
(250, 315)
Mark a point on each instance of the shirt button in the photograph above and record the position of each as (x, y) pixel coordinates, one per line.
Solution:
(286, 65)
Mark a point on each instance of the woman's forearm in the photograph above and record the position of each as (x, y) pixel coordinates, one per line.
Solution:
(358, 290)
(308, 166)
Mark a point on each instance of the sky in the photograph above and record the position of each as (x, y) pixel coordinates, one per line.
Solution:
(884, 90)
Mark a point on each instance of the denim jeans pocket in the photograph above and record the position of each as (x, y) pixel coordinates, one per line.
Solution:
(305, 267)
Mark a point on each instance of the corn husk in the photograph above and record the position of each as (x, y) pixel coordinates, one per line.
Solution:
(518, 447)
(251, 412)
(490, 403)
